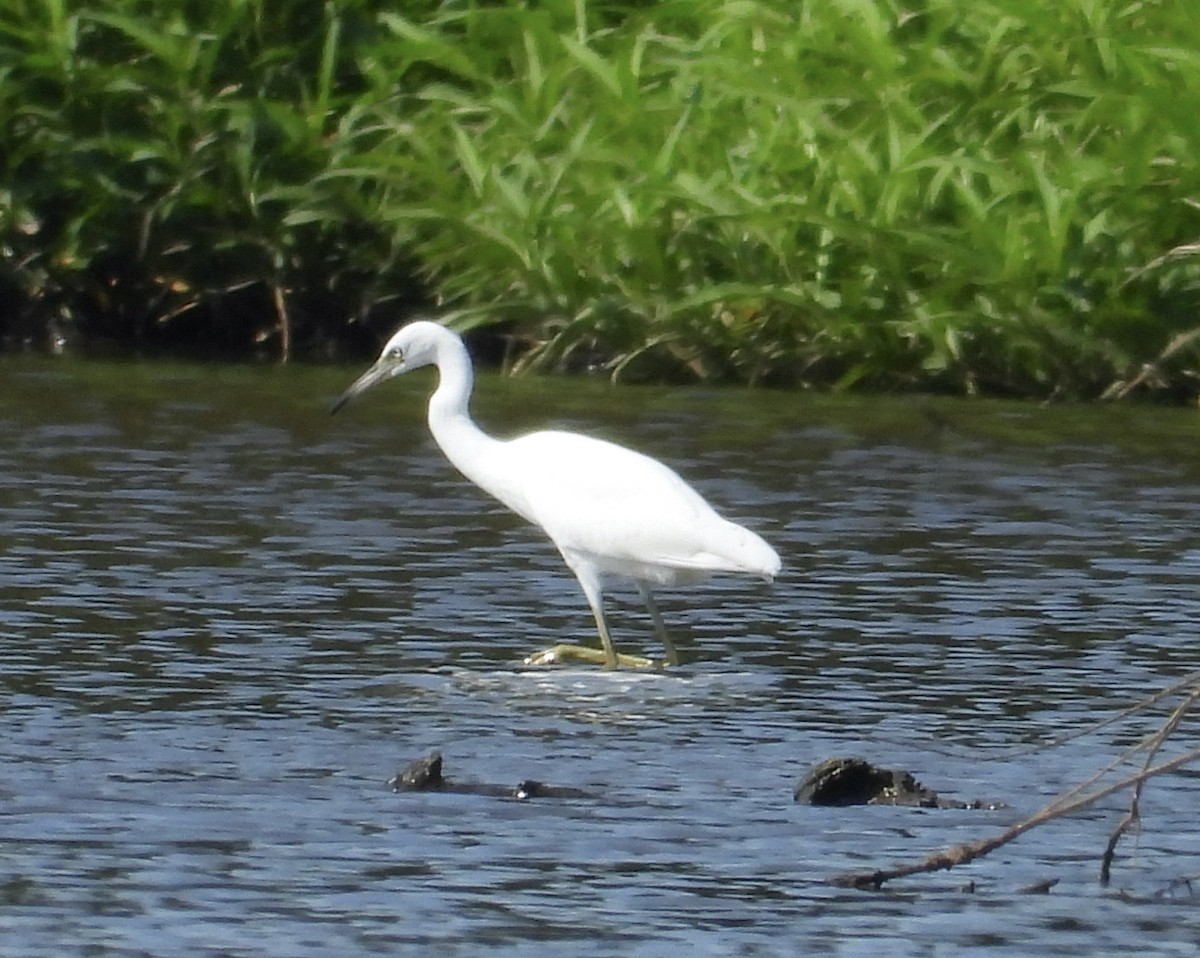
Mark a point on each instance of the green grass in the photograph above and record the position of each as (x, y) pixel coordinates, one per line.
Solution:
(989, 198)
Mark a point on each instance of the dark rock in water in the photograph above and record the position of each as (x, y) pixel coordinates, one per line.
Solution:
(529, 789)
(424, 774)
(533, 789)
(855, 781)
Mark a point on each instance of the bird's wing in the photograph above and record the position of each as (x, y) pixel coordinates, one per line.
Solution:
(623, 508)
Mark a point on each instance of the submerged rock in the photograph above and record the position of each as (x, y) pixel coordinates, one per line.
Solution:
(425, 775)
(422, 774)
(855, 781)
(535, 789)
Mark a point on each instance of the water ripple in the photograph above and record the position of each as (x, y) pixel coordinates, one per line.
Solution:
(225, 623)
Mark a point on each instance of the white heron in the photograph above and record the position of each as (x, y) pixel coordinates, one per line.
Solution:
(611, 512)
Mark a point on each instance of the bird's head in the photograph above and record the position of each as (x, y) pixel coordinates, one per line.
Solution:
(412, 347)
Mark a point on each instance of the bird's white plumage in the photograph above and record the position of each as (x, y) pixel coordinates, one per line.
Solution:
(628, 513)
(609, 510)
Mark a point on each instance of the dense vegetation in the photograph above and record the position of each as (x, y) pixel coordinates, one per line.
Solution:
(999, 196)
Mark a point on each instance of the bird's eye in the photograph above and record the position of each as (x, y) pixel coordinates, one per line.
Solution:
(395, 354)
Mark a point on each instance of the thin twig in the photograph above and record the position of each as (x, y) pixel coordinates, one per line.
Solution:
(968, 852)
(1150, 370)
(1134, 814)
(1191, 680)
(285, 322)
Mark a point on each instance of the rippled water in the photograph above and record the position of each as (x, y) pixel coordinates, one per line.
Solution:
(226, 619)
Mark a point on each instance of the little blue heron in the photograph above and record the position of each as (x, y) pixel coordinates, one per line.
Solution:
(609, 510)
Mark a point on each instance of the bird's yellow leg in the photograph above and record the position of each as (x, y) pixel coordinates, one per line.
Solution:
(608, 656)
(659, 626)
(559, 654)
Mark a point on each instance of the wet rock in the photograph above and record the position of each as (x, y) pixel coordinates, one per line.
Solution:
(855, 781)
(425, 774)
(534, 789)
(421, 775)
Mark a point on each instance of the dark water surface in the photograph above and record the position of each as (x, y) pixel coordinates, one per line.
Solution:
(225, 619)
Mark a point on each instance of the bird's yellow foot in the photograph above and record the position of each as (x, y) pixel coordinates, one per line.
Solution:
(558, 654)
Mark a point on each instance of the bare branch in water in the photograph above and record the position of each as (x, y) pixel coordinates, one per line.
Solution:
(1071, 801)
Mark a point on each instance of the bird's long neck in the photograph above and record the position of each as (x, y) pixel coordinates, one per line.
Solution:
(467, 446)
